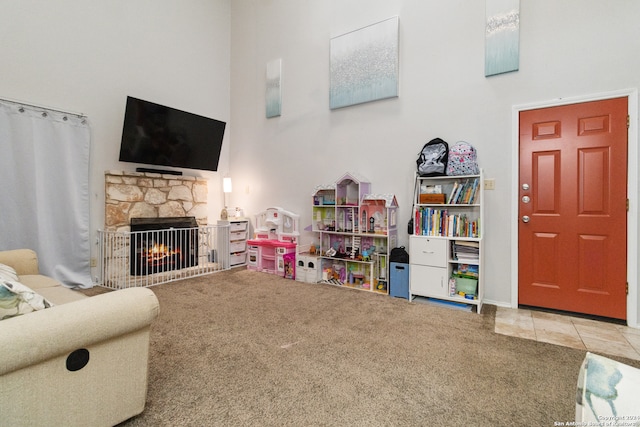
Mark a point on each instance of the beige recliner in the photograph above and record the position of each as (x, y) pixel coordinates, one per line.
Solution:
(82, 362)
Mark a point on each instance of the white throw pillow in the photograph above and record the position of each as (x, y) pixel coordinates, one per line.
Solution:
(8, 273)
(17, 299)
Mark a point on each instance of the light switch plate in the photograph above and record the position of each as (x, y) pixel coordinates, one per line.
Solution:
(490, 184)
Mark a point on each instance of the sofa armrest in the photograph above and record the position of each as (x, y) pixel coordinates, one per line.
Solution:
(23, 261)
(35, 337)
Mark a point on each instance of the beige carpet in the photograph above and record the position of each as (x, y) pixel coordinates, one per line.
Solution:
(241, 348)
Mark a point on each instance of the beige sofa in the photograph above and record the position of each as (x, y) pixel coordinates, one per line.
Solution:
(82, 362)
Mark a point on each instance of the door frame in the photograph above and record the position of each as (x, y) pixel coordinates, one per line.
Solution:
(632, 189)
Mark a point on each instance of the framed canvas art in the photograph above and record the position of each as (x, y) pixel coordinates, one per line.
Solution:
(273, 96)
(364, 64)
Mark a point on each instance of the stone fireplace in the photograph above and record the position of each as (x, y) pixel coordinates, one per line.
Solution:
(156, 230)
(152, 195)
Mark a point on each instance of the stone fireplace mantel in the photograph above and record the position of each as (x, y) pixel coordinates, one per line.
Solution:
(152, 195)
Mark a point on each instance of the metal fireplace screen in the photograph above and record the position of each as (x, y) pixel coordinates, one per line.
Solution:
(163, 244)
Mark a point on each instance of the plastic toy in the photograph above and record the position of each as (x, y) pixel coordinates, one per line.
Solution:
(277, 224)
(366, 253)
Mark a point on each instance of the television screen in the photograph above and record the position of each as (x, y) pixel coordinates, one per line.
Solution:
(156, 135)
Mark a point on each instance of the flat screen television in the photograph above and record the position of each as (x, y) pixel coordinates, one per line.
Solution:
(157, 135)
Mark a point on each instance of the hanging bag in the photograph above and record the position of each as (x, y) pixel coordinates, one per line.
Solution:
(432, 159)
(463, 159)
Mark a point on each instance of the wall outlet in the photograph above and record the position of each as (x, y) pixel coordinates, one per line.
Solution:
(490, 184)
(94, 262)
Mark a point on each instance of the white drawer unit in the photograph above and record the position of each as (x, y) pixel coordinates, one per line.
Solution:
(238, 232)
(425, 251)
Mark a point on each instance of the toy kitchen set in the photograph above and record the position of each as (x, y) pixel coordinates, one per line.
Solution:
(273, 250)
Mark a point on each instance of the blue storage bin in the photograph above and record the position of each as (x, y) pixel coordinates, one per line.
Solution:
(399, 280)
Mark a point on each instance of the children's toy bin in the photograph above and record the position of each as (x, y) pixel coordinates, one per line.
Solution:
(468, 286)
(399, 280)
(306, 265)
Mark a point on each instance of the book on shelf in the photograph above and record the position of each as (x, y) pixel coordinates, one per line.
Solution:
(454, 189)
(440, 222)
(469, 194)
(459, 191)
(469, 271)
(464, 192)
(465, 251)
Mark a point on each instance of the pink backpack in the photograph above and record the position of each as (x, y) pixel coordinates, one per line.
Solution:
(463, 159)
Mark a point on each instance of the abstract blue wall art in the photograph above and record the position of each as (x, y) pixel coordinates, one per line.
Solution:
(364, 64)
(273, 94)
(502, 37)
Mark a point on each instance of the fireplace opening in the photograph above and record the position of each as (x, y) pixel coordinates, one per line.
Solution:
(163, 244)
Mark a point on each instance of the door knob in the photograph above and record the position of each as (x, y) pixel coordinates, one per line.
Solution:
(525, 219)
(525, 186)
(525, 199)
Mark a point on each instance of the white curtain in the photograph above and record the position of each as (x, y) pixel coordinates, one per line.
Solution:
(44, 189)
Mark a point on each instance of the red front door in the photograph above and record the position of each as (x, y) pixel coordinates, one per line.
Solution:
(572, 230)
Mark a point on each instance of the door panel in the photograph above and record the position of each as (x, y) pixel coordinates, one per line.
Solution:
(593, 176)
(592, 273)
(546, 176)
(545, 252)
(572, 251)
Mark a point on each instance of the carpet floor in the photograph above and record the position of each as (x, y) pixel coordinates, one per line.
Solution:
(241, 348)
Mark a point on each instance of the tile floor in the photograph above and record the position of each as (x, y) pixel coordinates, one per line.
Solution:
(585, 334)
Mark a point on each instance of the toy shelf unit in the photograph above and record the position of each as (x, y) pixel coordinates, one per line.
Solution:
(274, 246)
(446, 247)
(356, 231)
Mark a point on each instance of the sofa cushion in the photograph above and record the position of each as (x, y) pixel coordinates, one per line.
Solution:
(8, 273)
(39, 281)
(51, 289)
(24, 261)
(61, 294)
(17, 299)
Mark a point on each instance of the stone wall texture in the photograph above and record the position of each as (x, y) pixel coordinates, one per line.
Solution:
(152, 195)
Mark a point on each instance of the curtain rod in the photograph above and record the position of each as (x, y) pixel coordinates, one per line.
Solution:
(29, 104)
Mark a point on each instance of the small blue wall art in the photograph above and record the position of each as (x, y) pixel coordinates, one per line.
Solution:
(273, 95)
(502, 37)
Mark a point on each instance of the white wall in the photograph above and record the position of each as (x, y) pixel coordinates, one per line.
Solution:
(567, 48)
(87, 55)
